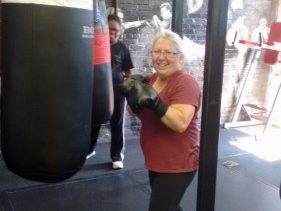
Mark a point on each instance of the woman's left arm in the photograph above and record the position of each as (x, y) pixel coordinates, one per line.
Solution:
(178, 116)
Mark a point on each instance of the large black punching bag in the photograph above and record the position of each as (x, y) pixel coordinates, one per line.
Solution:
(47, 84)
(103, 87)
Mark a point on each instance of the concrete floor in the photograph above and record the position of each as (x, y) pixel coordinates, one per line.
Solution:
(251, 185)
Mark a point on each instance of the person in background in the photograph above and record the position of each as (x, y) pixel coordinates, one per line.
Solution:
(261, 32)
(167, 103)
(122, 66)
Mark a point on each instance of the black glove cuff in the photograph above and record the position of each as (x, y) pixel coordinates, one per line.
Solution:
(160, 109)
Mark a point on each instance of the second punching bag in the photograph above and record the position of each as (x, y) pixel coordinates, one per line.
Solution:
(47, 84)
(103, 87)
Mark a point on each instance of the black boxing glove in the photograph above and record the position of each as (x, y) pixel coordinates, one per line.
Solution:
(133, 91)
(130, 82)
(154, 101)
(140, 94)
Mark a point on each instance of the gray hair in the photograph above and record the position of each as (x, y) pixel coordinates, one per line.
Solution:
(172, 37)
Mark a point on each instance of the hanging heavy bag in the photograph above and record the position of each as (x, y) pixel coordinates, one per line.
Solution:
(47, 84)
(103, 86)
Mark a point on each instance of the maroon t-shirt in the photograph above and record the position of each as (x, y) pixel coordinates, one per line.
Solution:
(164, 149)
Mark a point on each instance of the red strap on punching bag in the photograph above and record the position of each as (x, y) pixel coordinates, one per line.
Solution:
(103, 85)
(102, 48)
(101, 34)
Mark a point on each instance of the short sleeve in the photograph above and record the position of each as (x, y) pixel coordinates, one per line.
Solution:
(184, 89)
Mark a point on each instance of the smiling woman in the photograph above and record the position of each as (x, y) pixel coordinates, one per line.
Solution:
(168, 56)
(167, 103)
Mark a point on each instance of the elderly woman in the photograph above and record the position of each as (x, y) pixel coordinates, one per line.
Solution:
(167, 104)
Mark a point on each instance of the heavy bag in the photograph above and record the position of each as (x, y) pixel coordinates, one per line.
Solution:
(103, 86)
(47, 84)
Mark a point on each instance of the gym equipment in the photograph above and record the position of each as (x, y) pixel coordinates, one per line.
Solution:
(47, 83)
(103, 85)
(272, 49)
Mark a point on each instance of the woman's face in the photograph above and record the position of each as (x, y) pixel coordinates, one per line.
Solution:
(165, 59)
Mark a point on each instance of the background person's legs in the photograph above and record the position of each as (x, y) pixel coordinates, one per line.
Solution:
(117, 131)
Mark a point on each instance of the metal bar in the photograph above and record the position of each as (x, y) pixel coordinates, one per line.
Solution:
(246, 84)
(115, 7)
(273, 108)
(212, 89)
(244, 123)
(178, 6)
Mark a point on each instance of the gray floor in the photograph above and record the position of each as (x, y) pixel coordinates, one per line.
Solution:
(253, 185)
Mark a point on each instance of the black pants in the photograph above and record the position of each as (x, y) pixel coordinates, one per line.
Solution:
(167, 190)
(117, 130)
